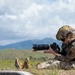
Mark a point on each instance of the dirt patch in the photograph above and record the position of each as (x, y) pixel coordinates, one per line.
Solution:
(67, 72)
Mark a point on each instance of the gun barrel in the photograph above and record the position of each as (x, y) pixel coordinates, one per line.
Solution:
(39, 47)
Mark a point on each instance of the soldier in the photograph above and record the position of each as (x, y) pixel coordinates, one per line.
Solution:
(68, 44)
(67, 56)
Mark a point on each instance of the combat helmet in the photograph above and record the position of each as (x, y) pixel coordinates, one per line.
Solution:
(62, 32)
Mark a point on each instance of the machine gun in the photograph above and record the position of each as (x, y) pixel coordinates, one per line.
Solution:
(39, 47)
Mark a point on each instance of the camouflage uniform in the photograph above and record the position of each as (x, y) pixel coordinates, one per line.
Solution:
(69, 52)
(68, 59)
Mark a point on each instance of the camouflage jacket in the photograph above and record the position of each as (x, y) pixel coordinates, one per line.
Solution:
(68, 51)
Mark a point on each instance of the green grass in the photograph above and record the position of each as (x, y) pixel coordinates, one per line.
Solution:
(7, 65)
(11, 54)
(7, 62)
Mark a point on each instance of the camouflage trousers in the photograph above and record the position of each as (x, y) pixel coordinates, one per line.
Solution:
(56, 64)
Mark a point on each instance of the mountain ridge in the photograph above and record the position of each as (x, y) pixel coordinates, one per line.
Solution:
(29, 43)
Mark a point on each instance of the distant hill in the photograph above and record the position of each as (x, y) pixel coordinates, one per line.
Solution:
(28, 43)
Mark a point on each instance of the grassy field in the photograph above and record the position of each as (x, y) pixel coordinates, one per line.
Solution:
(7, 59)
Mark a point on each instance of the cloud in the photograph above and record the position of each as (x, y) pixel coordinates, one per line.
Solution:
(27, 19)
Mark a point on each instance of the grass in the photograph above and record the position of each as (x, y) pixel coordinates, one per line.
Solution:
(9, 65)
(8, 56)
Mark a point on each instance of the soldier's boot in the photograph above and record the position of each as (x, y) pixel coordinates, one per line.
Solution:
(18, 64)
(25, 64)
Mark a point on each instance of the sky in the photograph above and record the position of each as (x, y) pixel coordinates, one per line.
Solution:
(34, 19)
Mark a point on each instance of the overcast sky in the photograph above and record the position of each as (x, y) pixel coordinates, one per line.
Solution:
(34, 19)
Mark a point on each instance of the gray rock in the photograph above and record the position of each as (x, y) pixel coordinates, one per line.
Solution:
(14, 73)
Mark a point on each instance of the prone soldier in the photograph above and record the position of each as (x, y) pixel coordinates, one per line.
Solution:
(66, 34)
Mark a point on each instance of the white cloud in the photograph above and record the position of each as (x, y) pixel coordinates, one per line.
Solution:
(7, 16)
(27, 19)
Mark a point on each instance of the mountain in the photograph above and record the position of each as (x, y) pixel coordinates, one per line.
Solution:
(29, 43)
